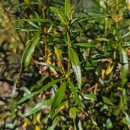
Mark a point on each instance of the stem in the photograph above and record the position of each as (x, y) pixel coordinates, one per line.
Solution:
(117, 20)
(117, 12)
(69, 45)
(44, 14)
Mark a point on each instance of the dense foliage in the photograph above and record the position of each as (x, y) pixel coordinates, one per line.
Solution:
(74, 70)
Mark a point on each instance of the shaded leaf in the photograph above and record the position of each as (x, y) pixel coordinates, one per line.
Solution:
(49, 85)
(125, 65)
(58, 98)
(26, 58)
(73, 89)
(54, 123)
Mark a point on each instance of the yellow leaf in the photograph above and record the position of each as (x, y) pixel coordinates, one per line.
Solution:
(109, 69)
(37, 127)
(25, 124)
(38, 117)
(59, 57)
(103, 72)
(27, 2)
(121, 102)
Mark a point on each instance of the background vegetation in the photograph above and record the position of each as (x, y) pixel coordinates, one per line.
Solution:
(64, 64)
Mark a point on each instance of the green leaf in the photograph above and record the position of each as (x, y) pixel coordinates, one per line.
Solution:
(125, 65)
(24, 98)
(54, 123)
(26, 58)
(39, 83)
(88, 45)
(126, 119)
(90, 96)
(23, 29)
(67, 7)
(76, 65)
(38, 107)
(103, 39)
(61, 16)
(124, 96)
(126, 35)
(109, 124)
(14, 89)
(73, 89)
(74, 111)
(26, 90)
(49, 85)
(33, 24)
(58, 98)
(50, 65)
(107, 100)
(36, 20)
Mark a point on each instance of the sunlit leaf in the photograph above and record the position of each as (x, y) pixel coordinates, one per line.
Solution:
(107, 100)
(126, 119)
(60, 15)
(58, 98)
(37, 127)
(73, 112)
(87, 45)
(76, 65)
(27, 2)
(38, 107)
(24, 98)
(109, 124)
(50, 65)
(38, 118)
(25, 124)
(90, 96)
(23, 29)
(109, 69)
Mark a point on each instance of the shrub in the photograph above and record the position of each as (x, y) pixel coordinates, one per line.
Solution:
(79, 63)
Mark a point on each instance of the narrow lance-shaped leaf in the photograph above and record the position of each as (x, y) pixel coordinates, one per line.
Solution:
(54, 123)
(58, 98)
(27, 2)
(61, 16)
(76, 65)
(73, 89)
(125, 65)
(67, 7)
(29, 50)
(49, 85)
(38, 107)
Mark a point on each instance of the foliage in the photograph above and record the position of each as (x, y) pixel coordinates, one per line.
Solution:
(78, 60)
